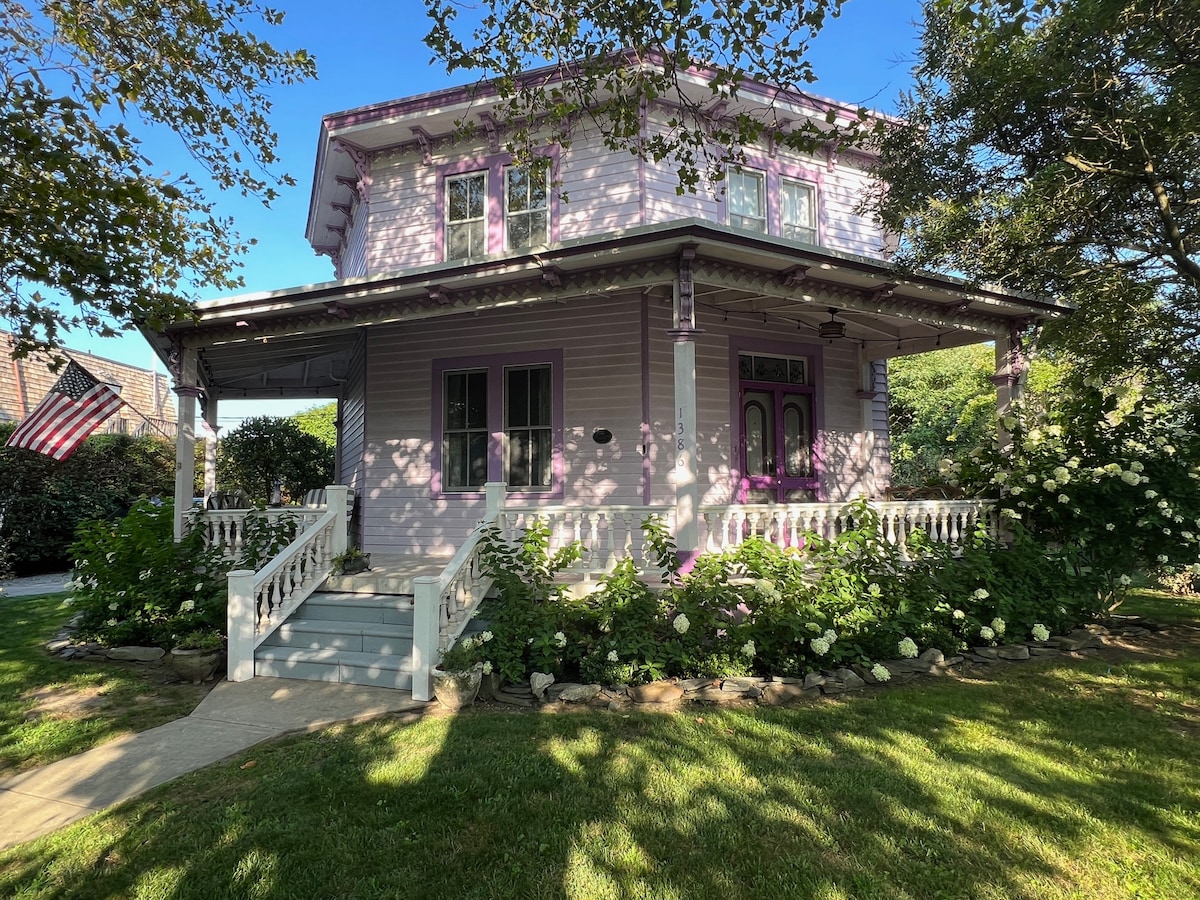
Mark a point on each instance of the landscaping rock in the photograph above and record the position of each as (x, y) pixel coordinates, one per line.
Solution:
(137, 654)
(655, 692)
(783, 680)
(579, 693)
(1013, 651)
(1093, 628)
(813, 680)
(741, 685)
(932, 657)
(690, 685)
(848, 678)
(987, 652)
(1079, 639)
(833, 687)
(503, 696)
(538, 682)
(58, 644)
(778, 693)
(716, 695)
(1044, 651)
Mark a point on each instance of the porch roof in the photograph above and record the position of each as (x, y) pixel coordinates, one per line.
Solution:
(297, 342)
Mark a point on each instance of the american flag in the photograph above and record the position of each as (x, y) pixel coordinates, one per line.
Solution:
(73, 409)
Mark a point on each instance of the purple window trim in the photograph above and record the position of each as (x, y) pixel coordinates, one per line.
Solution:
(493, 166)
(495, 364)
(815, 354)
(775, 171)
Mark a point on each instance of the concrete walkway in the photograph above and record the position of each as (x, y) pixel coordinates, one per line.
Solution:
(230, 719)
(35, 584)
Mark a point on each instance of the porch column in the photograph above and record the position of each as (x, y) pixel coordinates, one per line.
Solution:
(687, 489)
(183, 369)
(209, 410)
(1009, 380)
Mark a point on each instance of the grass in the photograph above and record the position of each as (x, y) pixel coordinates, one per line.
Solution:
(52, 708)
(1070, 778)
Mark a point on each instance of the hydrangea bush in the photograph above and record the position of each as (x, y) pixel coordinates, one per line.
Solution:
(135, 585)
(763, 609)
(1107, 478)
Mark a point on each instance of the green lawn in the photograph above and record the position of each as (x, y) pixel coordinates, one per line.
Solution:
(52, 708)
(1064, 779)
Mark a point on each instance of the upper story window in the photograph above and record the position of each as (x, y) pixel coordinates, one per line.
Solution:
(776, 199)
(527, 207)
(466, 215)
(488, 205)
(746, 193)
(798, 210)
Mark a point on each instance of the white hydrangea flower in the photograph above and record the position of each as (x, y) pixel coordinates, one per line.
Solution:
(1062, 474)
(199, 587)
(880, 673)
(830, 635)
(187, 606)
(959, 615)
(1110, 527)
(1150, 495)
(560, 639)
(1032, 479)
(613, 657)
(681, 624)
(819, 645)
(1130, 478)
(1000, 478)
(1063, 498)
(1124, 581)
(998, 625)
(113, 607)
(487, 667)
(1040, 632)
(1136, 466)
(1162, 558)
(987, 634)
(111, 623)
(907, 648)
(748, 649)
(981, 594)
(1050, 484)
(485, 637)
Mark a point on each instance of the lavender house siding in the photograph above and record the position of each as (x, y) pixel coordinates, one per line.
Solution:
(845, 229)
(602, 389)
(601, 187)
(403, 213)
(352, 408)
(354, 256)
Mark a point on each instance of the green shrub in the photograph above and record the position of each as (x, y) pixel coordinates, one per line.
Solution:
(135, 585)
(42, 501)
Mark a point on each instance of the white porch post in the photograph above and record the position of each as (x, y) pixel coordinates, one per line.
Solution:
(183, 369)
(426, 633)
(240, 615)
(210, 446)
(1009, 380)
(686, 469)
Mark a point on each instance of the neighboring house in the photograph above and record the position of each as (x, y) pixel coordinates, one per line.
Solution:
(149, 403)
(628, 347)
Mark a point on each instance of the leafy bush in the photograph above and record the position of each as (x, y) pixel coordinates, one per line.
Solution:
(267, 449)
(42, 501)
(763, 609)
(135, 585)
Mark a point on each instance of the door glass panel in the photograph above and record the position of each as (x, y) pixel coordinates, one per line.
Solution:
(797, 436)
(758, 418)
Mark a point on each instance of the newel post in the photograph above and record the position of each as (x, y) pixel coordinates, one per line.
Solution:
(495, 492)
(337, 499)
(426, 631)
(240, 616)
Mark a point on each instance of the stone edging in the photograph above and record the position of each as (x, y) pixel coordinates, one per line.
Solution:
(777, 691)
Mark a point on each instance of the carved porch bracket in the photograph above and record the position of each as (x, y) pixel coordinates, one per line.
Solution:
(425, 142)
(362, 167)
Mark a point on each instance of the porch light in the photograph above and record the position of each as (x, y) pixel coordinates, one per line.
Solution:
(833, 329)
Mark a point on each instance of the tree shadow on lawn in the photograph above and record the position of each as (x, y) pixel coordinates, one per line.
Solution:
(1041, 783)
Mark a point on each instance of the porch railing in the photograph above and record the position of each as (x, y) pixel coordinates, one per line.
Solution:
(226, 528)
(259, 602)
(444, 604)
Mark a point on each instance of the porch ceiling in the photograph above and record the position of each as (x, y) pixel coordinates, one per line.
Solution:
(297, 342)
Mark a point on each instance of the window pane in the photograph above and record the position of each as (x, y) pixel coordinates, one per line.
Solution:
(539, 396)
(478, 195)
(518, 190)
(456, 400)
(798, 210)
(747, 208)
(519, 234)
(518, 458)
(540, 458)
(477, 400)
(478, 463)
(458, 241)
(517, 399)
(797, 436)
(755, 440)
(745, 366)
(798, 371)
(770, 368)
(539, 233)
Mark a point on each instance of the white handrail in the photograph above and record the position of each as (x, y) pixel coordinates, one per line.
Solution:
(259, 602)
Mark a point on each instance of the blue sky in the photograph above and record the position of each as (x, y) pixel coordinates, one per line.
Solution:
(371, 51)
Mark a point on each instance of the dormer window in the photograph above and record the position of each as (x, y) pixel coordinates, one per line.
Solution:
(798, 210)
(526, 207)
(466, 215)
(746, 194)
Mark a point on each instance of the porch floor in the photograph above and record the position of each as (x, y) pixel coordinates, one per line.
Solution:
(390, 573)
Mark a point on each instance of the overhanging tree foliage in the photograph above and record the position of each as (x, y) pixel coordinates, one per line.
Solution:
(1051, 146)
(607, 58)
(83, 212)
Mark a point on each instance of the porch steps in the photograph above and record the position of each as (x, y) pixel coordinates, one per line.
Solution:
(343, 637)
